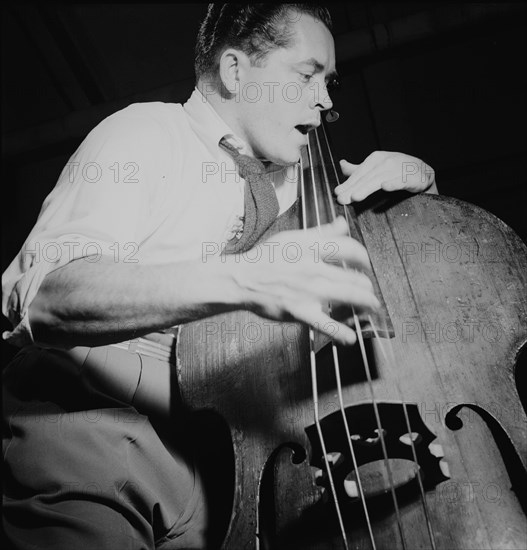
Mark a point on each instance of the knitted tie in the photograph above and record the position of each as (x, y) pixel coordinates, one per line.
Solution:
(261, 204)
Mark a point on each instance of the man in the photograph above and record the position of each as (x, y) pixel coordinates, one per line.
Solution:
(122, 257)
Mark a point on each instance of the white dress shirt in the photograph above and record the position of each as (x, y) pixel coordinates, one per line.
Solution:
(148, 185)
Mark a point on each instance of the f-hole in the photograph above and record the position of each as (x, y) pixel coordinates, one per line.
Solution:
(521, 376)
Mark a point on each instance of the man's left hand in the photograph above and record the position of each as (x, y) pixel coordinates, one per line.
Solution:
(384, 170)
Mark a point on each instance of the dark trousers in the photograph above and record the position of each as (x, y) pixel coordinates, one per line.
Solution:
(86, 471)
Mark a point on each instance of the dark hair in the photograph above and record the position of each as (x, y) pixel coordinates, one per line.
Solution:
(256, 29)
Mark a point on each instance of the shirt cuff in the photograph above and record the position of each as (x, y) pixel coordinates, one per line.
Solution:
(21, 335)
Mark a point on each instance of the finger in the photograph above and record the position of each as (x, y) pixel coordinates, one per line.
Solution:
(335, 275)
(353, 295)
(358, 173)
(376, 163)
(338, 227)
(344, 191)
(340, 286)
(345, 251)
(373, 181)
(323, 323)
(343, 314)
(358, 192)
(347, 167)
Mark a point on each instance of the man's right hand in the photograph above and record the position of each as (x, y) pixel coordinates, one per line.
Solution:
(294, 275)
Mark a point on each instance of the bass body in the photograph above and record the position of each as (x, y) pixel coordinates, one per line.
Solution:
(454, 281)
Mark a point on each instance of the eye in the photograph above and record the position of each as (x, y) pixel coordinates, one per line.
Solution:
(333, 84)
(305, 77)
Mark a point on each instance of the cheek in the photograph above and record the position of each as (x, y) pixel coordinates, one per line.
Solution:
(283, 118)
(276, 107)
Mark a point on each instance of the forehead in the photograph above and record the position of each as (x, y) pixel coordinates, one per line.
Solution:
(311, 40)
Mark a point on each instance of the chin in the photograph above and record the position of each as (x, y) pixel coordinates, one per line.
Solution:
(287, 158)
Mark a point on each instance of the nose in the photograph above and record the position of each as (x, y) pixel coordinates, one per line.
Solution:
(321, 98)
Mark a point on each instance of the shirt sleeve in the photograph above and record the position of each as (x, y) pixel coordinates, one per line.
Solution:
(98, 207)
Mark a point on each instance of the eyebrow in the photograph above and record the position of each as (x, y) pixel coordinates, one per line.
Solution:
(319, 67)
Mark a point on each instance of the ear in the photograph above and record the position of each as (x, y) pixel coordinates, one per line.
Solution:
(231, 67)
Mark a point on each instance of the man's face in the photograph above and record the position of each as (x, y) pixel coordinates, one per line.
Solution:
(280, 101)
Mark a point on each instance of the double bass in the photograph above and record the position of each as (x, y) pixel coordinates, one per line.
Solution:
(416, 437)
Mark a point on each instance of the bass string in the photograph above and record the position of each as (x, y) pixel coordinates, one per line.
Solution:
(314, 385)
(384, 348)
(365, 361)
(336, 363)
(391, 360)
(338, 378)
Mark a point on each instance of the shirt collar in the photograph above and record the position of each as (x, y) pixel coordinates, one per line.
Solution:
(208, 124)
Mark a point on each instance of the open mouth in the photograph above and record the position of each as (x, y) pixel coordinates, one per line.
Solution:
(303, 128)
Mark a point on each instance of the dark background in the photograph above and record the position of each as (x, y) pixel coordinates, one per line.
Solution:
(443, 82)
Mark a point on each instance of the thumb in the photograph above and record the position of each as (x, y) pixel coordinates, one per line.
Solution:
(339, 226)
(347, 167)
